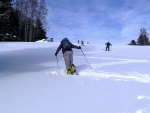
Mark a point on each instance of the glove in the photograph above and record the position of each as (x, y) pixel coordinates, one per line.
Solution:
(55, 54)
(79, 47)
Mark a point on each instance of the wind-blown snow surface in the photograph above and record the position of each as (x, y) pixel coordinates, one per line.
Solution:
(119, 81)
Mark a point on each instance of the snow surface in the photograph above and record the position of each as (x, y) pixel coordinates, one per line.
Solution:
(119, 81)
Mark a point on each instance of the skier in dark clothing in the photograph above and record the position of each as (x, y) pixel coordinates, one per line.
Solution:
(108, 44)
(82, 43)
(78, 41)
(66, 47)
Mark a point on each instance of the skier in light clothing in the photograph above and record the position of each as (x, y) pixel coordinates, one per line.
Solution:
(66, 47)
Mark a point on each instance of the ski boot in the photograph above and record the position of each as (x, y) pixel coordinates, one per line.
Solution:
(73, 68)
(69, 72)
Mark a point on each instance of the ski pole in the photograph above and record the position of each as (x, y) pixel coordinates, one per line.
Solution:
(104, 49)
(58, 65)
(86, 58)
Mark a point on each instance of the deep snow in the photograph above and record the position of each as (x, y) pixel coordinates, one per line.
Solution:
(119, 81)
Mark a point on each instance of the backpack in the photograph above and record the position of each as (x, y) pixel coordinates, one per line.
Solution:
(66, 44)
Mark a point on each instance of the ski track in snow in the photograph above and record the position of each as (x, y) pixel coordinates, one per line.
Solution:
(96, 73)
(116, 76)
(134, 76)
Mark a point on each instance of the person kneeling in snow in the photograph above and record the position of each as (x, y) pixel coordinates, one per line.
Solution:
(66, 47)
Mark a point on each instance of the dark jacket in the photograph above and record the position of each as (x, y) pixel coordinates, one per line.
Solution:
(64, 50)
(108, 44)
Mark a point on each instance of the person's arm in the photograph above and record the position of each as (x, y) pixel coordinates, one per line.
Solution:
(58, 49)
(74, 46)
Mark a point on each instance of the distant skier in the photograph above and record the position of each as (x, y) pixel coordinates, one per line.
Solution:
(78, 41)
(108, 44)
(66, 47)
(82, 43)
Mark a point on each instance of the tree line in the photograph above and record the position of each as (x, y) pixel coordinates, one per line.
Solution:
(22, 20)
(143, 39)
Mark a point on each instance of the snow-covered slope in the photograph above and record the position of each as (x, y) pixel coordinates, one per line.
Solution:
(119, 81)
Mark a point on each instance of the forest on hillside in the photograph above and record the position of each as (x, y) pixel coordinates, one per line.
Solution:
(23, 20)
